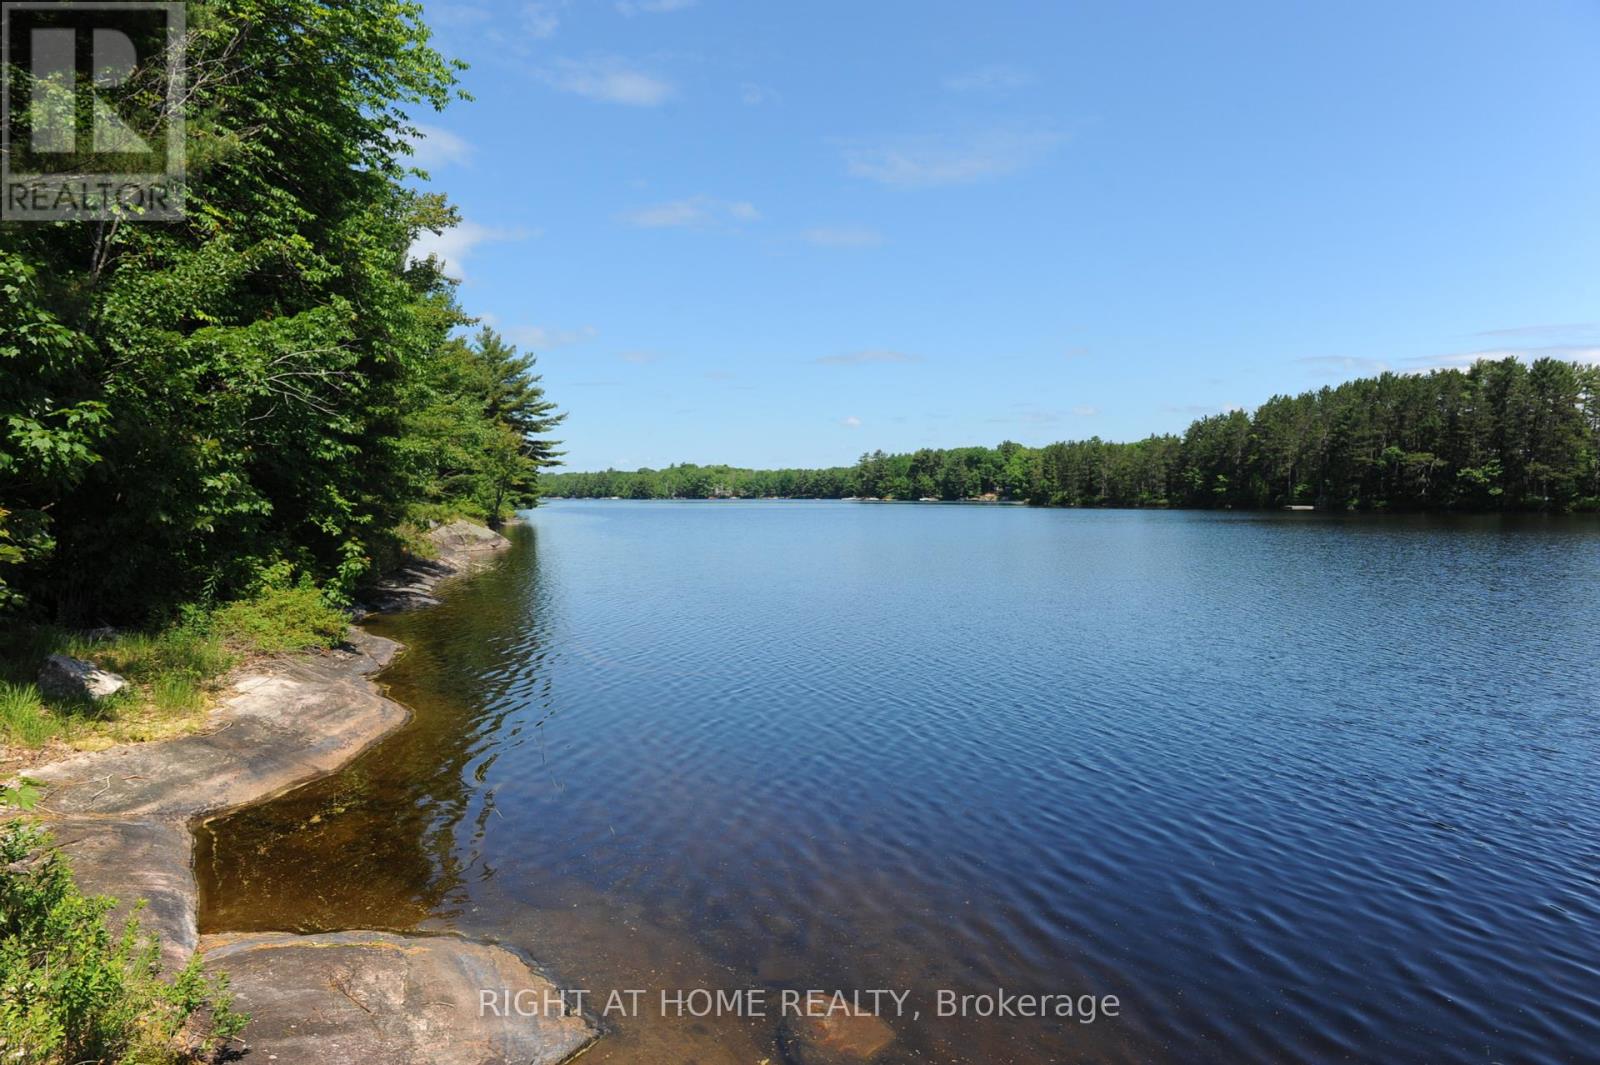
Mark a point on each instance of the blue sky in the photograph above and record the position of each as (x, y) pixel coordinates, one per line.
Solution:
(780, 234)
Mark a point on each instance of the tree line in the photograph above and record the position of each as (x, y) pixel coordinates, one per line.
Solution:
(271, 385)
(1501, 435)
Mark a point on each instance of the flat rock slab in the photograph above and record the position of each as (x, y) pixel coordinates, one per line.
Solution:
(299, 719)
(359, 998)
(132, 860)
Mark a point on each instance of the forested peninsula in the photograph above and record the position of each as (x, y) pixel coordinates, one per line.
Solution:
(1502, 435)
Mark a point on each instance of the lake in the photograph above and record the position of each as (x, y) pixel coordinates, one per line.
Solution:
(1290, 787)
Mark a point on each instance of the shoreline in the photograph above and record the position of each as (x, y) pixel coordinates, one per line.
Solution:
(126, 817)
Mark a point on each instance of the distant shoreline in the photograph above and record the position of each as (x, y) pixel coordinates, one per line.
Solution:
(1500, 436)
(1301, 509)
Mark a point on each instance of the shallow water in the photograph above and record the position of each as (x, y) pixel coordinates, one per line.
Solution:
(1292, 787)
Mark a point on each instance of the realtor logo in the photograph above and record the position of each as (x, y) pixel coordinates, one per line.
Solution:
(91, 118)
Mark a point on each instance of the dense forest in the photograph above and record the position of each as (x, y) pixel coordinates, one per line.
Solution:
(271, 387)
(1503, 435)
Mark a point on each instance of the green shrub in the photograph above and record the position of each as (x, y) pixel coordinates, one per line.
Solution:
(71, 991)
(23, 718)
(293, 618)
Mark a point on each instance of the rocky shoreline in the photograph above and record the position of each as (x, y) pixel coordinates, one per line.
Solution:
(125, 818)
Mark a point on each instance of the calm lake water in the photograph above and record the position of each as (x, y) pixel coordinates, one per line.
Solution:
(1292, 787)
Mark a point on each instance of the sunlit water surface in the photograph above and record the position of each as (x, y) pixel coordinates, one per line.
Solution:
(1292, 787)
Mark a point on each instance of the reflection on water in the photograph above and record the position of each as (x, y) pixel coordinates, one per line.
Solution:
(1292, 787)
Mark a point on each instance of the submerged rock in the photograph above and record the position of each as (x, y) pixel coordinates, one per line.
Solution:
(65, 677)
(840, 1038)
(360, 998)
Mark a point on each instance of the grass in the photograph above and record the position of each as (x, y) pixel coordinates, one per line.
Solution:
(172, 672)
(23, 719)
(177, 694)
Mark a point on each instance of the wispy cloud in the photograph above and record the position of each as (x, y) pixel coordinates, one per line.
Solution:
(434, 146)
(932, 161)
(608, 79)
(754, 95)
(458, 16)
(1584, 353)
(1200, 410)
(456, 245)
(843, 237)
(720, 375)
(1031, 414)
(1334, 365)
(543, 338)
(541, 18)
(1352, 366)
(870, 357)
(1568, 329)
(653, 7)
(850, 421)
(991, 77)
(638, 358)
(696, 211)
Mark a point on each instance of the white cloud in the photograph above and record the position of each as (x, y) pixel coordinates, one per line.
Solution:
(1350, 366)
(695, 211)
(1084, 410)
(455, 245)
(864, 358)
(1567, 329)
(1581, 353)
(753, 95)
(1334, 365)
(1201, 410)
(541, 338)
(540, 19)
(458, 15)
(843, 237)
(992, 77)
(434, 146)
(653, 7)
(608, 79)
(850, 422)
(638, 358)
(930, 161)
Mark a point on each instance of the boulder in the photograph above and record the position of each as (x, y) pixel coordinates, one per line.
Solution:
(840, 1038)
(65, 677)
